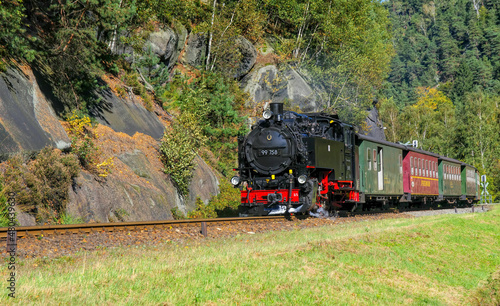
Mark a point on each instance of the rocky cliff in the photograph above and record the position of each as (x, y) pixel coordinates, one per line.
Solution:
(136, 189)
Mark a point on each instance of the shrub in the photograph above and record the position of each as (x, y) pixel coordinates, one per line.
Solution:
(42, 184)
(66, 218)
(4, 213)
(212, 104)
(83, 135)
(82, 138)
(225, 204)
(177, 153)
(177, 214)
(202, 211)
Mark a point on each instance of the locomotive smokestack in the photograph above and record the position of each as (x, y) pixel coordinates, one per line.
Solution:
(277, 109)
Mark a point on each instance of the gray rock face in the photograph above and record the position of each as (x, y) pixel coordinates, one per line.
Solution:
(195, 50)
(27, 121)
(127, 116)
(204, 183)
(249, 56)
(147, 196)
(299, 92)
(375, 127)
(163, 43)
(137, 188)
(120, 199)
(182, 34)
(166, 44)
(270, 84)
(124, 49)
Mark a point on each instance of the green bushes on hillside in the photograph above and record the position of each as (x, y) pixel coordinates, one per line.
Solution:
(42, 184)
(210, 116)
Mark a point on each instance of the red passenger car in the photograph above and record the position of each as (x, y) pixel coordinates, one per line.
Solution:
(420, 176)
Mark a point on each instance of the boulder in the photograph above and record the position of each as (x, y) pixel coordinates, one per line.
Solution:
(249, 56)
(204, 183)
(163, 44)
(375, 126)
(27, 120)
(265, 84)
(299, 92)
(270, 84)
(195, 50)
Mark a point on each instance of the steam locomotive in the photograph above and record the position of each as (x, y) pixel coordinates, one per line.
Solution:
(313, 162)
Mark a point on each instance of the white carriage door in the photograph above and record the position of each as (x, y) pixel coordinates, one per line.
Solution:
(380, 170)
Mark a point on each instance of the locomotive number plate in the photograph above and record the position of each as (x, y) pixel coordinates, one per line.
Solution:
(269, 152)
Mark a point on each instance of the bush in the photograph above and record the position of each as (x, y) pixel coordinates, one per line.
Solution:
(225, 204)
(177, 214)
(214, 105)
(202, 211)
(42, 185)
(66, 218)
(83, 134)
(4, 213)
(177, 154)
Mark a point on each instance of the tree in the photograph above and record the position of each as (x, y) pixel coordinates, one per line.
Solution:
(228, 21)
(463, 81)
(12, 30)
(480, 129)
(389, 114)
(73, 39)
(431, 121)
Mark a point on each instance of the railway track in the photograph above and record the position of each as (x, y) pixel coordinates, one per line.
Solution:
(46, 230)
(64, 240)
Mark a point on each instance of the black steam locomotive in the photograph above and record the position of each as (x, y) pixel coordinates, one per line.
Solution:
(281, 169)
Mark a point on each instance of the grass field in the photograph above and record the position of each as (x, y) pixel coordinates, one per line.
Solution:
(438, 260)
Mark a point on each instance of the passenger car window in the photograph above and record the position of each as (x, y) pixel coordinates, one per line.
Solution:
(369, 159)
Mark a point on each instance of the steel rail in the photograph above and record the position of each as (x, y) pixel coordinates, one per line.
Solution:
(23, 231)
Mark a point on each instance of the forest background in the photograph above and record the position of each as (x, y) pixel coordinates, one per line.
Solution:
(431, 67)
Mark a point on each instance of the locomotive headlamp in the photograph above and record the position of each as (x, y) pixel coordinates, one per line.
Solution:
(302, 179)
(267, 114)
(235, 180)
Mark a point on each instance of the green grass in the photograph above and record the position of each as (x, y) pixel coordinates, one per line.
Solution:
(438, 260)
